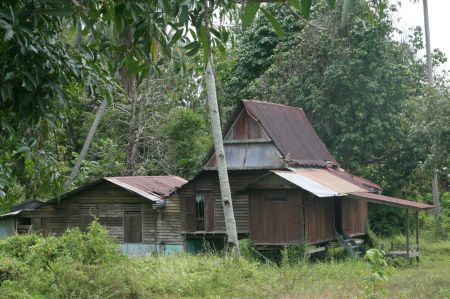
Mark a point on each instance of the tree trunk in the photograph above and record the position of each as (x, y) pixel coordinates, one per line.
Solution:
(435, 180)
(87, 144)
(230, 223)
(225, 191)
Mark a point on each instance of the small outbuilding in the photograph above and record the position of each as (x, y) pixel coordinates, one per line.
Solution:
(141, 212)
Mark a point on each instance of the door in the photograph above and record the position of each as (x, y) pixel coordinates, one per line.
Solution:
(132, 223)
(276, 217)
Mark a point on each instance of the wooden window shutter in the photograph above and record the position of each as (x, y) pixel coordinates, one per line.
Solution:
(209, 212)
(191, 223)
(132, 223)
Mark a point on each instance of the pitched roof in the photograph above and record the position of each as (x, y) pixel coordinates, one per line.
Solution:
(162, 186)
(290, 129)
(154, 188)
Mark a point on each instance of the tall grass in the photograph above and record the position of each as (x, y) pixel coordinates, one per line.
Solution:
(89, 265)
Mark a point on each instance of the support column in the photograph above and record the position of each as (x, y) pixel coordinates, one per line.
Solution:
(417, 234)
(407, 235)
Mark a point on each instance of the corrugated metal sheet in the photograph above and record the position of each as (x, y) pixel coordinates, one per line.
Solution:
(288, 127)
(259, 155)
(291, 131)
(398, 202)
(322, 182)
(32, 204)
(151, 187)
(23, 207)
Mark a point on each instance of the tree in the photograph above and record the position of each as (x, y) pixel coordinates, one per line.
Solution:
(189, 140)
(434, 181)
(38, 70)
(352, 84)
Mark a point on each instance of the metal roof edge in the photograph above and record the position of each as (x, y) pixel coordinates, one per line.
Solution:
(149, 195)
(388, 200)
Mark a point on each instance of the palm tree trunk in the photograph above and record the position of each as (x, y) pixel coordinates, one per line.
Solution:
(435, 180)
(87, 144)
(227, 203)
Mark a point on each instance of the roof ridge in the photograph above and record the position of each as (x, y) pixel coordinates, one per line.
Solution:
(271, 103)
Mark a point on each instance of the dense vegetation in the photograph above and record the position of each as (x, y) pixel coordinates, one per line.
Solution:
(78, 265)
(363, 90)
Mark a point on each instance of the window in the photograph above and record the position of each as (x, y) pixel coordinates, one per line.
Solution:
(200, 211)
(132, 223)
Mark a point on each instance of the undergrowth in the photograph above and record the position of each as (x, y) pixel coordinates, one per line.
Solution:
(78, 265)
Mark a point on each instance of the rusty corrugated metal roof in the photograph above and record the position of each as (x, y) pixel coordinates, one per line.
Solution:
(322, 182)
(398, 202)
(290, 130)
(161, 186)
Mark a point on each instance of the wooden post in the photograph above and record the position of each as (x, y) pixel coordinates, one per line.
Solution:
(407, 235)
(417, 234)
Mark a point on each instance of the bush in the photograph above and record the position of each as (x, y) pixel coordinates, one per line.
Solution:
(10, 269)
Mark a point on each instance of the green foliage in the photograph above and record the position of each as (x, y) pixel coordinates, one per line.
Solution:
(430, 116)
(11, 269)
(78, 265)
(293, 254)
(189, 140)
(376, 274)
(254, 54)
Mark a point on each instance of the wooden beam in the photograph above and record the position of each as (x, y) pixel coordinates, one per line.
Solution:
(243, 141)
(417, 234)
(407, 235)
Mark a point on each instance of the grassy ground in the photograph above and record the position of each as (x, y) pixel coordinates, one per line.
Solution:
(88, 266)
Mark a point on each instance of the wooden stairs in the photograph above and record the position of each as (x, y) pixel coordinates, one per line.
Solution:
(350, 245)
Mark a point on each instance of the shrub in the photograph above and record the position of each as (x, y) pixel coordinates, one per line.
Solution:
(376, 274)
(10, 269)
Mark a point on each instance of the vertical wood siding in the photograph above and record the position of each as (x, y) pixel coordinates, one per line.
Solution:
(276, 217)
(208, 182)
(245, 127)
(319, 214)
(354, 216)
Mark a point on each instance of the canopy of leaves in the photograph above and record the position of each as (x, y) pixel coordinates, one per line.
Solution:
(352, 84)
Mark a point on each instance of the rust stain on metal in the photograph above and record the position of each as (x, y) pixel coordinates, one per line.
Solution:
(291, 131)
(160, 185)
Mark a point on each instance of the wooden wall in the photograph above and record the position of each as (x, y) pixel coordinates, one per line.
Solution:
(354, 216)
(320, 224)
(276, 217)
(303, 215)
(107, 201)
(207, 182)
(245, 127)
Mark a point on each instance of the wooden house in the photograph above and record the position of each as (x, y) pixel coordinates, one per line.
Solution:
(141, 212)
(286, 186)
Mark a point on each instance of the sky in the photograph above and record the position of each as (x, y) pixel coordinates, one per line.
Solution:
(410, 14)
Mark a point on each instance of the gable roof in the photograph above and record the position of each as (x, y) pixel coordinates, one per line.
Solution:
(154, 188)
(288, 128)
(161, 186)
